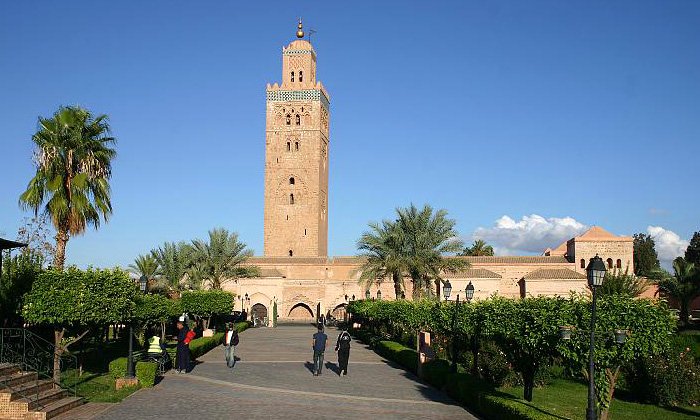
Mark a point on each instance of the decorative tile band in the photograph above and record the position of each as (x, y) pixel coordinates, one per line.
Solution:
(297, 52)
(298, 95)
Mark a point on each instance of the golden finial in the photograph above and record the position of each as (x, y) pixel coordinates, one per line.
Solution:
(300, 33)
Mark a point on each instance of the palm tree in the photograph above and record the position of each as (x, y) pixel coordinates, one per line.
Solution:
(173, 259)
(382, 247)
(219, 259)
(683, 286)
(478, 248)
(73, 161)
(147, 265)
(428, 237)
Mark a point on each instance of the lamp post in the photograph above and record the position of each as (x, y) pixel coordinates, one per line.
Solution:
(446, 291)
(143, 283)
(595, 273)
(379, 295)
(367, 294)
(469, 291)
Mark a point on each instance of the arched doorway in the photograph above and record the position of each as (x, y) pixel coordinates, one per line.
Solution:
(301, 311)
(258, 311)
(339, 312)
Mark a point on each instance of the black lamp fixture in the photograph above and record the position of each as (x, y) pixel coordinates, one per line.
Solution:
(595, 273)
(403, 295)
(469, 291)
(367, 294)
(143, 283)
(447, 290)
(379, 295)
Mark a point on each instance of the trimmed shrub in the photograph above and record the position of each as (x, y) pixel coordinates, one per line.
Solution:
(200, 346)
(146, 373)
(117, 367)
(667, 379)
(435, 372)
(404, 356)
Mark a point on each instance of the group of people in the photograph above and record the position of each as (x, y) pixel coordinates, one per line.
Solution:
(319, 344)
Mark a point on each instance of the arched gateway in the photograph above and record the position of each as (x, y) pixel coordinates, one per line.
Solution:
(301, 311)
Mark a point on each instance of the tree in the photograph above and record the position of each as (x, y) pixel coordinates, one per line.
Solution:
(35, 233)
(147, 265)
(74, 165)
(18, 275)
(205, 303)
(153, 310)
(646, 260)
(381, 248)
(74, 301)
(649, 324)
(527, 331)
(219, 259)
(173, 259)
(619, 283)
(428, 237)
(692, 253)
(683, 286)
(478, 248)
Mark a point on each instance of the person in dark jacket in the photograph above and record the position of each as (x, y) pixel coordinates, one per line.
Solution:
(342, 346)
(182, 360)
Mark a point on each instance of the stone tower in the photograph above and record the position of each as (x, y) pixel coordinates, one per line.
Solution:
(296, 157)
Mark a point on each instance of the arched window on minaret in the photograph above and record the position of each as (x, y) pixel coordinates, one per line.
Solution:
(292, 76)
(610, 263)
(301, 77)
(583, 263)
(289, 119)
(289, 146)
(291, 253)
(298, 120)
(291, 181)
(619, 263)
(296, 146)
(291, 198)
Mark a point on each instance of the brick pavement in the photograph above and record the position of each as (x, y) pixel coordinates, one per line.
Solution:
(273, 379)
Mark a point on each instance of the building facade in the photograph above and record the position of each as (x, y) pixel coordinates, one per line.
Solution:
(296, 272)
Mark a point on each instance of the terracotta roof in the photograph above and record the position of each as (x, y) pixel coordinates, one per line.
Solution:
(597, 233)
(554, 274)
(510, 259)
(475, 273)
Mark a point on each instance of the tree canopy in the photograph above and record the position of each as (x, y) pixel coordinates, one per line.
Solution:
(478, 248)
(646, 260)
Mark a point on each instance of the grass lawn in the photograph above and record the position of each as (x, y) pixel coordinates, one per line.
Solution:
(568, 400)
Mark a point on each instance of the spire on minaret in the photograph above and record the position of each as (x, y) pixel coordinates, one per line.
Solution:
(300, 32)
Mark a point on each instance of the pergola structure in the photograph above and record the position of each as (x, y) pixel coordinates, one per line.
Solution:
(7, 244)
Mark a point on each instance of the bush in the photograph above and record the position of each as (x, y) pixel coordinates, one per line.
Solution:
(494, 368)
(200, 346)
(146, 372)
(404, 356)
(117, 367)
(667, 379)
(435, 372)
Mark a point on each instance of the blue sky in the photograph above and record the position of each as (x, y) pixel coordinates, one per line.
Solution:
(555, 114)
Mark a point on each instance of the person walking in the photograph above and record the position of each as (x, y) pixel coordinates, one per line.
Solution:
(231, 340)
(319, 342)
(184, 336)
(342, 347)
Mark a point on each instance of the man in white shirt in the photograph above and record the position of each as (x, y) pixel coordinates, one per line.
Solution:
(230, 342)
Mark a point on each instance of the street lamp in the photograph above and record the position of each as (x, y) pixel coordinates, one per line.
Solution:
(379, 295)
(143, 282)
(595, 273)
(403, 295)
(446, 290)
(367, 294)
(469, 291)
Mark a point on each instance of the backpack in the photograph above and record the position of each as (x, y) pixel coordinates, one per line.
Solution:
(234, 338)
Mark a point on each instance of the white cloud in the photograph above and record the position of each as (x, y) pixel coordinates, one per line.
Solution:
(530, 234)
(669, 244)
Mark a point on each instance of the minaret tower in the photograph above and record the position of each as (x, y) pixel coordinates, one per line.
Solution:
(296, 157)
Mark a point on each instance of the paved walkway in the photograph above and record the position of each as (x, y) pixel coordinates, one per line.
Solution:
(273, 379)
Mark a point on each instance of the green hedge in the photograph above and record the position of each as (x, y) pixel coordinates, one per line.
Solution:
(399, 353)
(117, 367)
(201, 345)
(146, 372)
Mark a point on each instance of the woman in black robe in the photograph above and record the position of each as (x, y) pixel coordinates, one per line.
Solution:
(342, 346)
(182, 359)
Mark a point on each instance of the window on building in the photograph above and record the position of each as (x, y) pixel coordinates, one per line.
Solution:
(287, 217)
(304, 232)
(296, 146)
(610, 263)
(583, 263)
(289, 119)
(298, 120)
(291, 181)
(292, 76)
(301, 77)
(619, 263)
(291, 198)
(291, 253)
(289, 146)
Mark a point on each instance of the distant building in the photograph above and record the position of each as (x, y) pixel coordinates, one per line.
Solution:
(296, 271)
